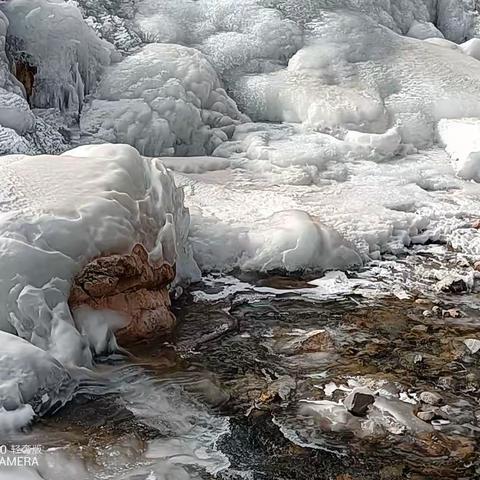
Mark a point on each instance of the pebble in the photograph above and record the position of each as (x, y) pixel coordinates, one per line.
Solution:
(426, 416)
(420, 328)
(431, 398)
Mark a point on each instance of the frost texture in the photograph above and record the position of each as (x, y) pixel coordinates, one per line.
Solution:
(164, 99)
(57, 213)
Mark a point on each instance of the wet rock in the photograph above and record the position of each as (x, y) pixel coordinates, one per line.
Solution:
(431, 398)
(359, 401)
(392, 472)
(419, 329)
(452, 284)
(279, 389)
(317, 341)
(472, 344)
(451, 313)
(430, 414)
(131, 285)
(426, 416)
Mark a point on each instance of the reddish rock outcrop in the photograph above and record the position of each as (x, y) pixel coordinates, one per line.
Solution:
(131, 285)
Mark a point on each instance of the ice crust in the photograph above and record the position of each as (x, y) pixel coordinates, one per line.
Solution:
(56, 214)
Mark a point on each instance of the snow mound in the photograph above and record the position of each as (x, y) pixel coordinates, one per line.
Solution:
(56, 214)
(461, 139)
(51, 36)
(293, 241)
(163, 99)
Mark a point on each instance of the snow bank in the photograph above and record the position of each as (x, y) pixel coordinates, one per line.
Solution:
(461, 139)
(56, 214)
(52, 36)
(164, 99)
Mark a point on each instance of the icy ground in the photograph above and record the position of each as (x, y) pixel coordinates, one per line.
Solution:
(331, 134)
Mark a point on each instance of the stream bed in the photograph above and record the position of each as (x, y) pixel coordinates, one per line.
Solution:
(252, 383)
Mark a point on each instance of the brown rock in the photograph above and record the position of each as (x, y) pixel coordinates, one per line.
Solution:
(131, 285)
(320, 341)
(476, 224)
(476, 266)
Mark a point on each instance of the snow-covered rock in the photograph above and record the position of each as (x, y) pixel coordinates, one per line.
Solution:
(59, 212)
(164, 99)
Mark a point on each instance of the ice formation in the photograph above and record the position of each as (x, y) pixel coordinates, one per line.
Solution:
(163, 99)
(52, 37)
(57, 213)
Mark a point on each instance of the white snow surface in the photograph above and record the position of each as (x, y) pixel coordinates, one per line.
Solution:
(56, 214)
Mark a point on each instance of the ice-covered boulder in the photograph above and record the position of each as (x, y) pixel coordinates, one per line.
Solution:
(162, 99)
(59, 212)
(50, 39)
(461, 139)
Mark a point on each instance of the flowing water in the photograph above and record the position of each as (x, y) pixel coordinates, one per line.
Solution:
(251, 385)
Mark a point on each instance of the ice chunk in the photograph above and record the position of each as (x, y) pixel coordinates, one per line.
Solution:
(163, 99)
(461, 139)
(385, 145)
